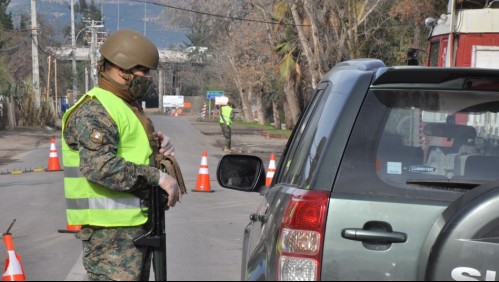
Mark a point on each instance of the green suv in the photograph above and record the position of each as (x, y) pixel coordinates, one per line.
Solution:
(391, 174)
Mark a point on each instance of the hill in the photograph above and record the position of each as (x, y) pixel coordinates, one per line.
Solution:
(136, 15)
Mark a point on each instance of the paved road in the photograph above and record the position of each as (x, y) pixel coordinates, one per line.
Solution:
(204, 233)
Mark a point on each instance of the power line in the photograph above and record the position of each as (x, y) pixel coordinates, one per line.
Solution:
(217, 15)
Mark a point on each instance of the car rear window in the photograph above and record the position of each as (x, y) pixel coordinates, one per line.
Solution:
(424, 143)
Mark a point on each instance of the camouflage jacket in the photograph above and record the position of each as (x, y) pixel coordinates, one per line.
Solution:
(98, 160)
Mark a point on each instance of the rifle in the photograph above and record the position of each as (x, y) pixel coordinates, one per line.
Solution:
(155, 237)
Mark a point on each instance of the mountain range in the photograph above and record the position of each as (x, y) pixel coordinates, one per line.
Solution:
(137, 15)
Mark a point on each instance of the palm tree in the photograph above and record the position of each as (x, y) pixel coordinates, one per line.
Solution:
(289, 69)
(290, 73)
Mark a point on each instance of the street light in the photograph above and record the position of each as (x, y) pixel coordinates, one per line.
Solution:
(78, 35)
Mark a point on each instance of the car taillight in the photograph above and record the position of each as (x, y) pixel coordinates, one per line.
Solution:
(301, 236)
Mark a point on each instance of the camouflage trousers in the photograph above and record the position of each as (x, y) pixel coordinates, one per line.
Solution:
(227, 133)
(110, 255)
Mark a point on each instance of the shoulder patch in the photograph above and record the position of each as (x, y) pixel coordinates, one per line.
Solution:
(96, 136)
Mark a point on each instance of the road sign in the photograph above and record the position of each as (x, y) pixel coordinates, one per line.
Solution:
(213, 94)
(221, 101)
(173, 101)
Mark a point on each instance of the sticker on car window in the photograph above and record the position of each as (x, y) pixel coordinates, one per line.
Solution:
(422, 169)
(394, 168)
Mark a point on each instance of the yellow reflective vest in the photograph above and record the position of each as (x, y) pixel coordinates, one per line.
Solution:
(88, 203)
(225, 115)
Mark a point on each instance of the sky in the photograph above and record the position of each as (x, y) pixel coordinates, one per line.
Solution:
(117, 14)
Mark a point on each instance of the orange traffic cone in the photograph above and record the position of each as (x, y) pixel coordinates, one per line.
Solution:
(271, 171)
(54, 164)
(14, 270)
(70, 229)
(203, 184)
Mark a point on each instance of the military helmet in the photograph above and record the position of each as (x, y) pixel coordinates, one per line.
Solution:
(128, 49)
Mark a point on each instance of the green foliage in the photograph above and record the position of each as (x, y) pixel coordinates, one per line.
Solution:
(264, 127)
(287, 67)
(281, 10)
(5, 18)
(4, 75)
(284, 48)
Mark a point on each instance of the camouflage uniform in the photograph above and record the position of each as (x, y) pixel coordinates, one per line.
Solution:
(227, 134)
(108, 253)
(117, 258)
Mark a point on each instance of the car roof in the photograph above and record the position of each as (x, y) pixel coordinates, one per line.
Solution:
(433, 77)
(413, 76)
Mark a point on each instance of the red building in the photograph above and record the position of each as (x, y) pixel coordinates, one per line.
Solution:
(466, 36)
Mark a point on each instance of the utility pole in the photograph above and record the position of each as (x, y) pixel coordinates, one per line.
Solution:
(93, 49)
(34, 55)
(94, 45)
(73, 53)
(55, 89)
(49, 63)
(118, 26)
(86, 80)
(145, 18)
(161, 89)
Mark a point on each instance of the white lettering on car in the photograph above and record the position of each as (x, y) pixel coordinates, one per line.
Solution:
(471, 274)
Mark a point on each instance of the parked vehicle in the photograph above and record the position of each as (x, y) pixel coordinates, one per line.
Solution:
(391, 174)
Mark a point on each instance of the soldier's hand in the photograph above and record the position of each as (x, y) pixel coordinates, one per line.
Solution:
(170, 185)
(166, 147)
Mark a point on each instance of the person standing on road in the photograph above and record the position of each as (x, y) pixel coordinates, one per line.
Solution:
(109, 147)
(226, 117)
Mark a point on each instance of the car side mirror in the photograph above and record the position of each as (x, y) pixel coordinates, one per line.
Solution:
(241, 172)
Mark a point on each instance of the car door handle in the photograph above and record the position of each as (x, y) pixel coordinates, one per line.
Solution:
(358, 234)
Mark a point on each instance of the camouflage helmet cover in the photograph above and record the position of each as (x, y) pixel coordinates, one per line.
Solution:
(128, 49)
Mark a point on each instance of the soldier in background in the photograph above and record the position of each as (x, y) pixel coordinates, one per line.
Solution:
(108, 150)
(226, 117)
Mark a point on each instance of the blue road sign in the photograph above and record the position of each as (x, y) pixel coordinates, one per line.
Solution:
(213, 94)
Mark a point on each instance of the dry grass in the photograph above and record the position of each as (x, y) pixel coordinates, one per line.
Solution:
(26, 113)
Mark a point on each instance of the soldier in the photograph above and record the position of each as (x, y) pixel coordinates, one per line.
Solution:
(108, 145)
(226, 117)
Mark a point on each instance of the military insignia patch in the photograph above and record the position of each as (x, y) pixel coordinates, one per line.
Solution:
(96, 136)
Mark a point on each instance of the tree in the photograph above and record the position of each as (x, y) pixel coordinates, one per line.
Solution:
(308, 36)
(221, 34)
(5, 18)
(83, 14)
(409, 16)
(10, 40)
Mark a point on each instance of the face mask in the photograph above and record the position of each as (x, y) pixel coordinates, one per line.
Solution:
(141, 87)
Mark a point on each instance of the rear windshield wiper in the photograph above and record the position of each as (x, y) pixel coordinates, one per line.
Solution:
(446, 183)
